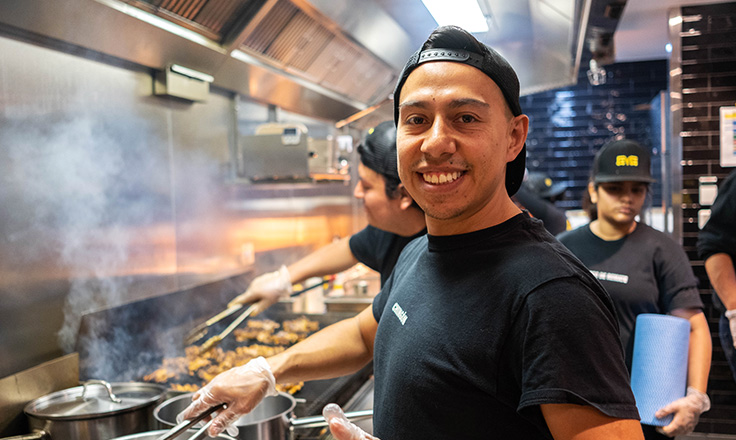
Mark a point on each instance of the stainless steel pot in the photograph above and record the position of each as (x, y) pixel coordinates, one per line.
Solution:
(97, 410)
(272, 419)
(153, 435)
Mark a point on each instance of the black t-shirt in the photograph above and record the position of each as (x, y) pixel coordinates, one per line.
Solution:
(477, 330)
(379, 249)
(644, 272)
(719, 233)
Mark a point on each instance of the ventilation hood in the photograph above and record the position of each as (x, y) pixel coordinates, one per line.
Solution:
(331, 59)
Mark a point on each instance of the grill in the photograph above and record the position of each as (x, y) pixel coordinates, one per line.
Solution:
(128, 342)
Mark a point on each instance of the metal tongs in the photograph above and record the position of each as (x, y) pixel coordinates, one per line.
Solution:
(186, 424)
(200, 331)
(215, 340)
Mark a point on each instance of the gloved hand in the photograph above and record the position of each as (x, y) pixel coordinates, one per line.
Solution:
(731, 315)
(340, 427)
(240, 389)
(687, 411)
(265, 290)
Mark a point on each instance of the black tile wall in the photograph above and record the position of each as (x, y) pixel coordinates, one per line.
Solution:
(708, 82)
(567, 126)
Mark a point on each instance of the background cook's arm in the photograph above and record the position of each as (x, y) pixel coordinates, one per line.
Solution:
(333, 258)
(266, 289)
(700, 349)
(723, 278)
(582, 422)
(337, 350)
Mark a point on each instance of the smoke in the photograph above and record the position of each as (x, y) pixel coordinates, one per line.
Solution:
(84, 185)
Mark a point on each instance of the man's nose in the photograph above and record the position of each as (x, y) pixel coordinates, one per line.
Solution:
(358, 192)
(439, 139)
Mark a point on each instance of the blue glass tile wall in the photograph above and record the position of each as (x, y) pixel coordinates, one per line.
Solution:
(567, 126)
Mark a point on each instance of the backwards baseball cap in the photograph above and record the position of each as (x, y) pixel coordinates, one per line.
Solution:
(489, 62)
(378, 150)
(543, 186)
(621, 161)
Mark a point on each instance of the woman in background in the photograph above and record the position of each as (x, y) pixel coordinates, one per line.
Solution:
(643, 270)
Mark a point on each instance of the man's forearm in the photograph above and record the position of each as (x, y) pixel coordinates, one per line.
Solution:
(723, 278)
(337, 350)
(330, 259)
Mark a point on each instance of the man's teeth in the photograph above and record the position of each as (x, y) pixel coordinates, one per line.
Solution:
(440, 178)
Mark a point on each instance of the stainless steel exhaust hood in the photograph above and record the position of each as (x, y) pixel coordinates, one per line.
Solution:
(324, 58)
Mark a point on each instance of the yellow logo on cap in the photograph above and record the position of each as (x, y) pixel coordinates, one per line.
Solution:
(627, 161)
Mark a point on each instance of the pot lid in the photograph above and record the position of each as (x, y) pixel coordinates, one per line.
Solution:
(94, 399)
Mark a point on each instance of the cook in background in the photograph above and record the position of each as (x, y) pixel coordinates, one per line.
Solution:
(487, 323)
(394, 219)
(717, 247)
(643, 270)
(537, 195)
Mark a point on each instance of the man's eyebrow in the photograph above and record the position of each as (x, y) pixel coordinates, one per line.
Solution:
(455, 103)
(420, 104)
(468, 101)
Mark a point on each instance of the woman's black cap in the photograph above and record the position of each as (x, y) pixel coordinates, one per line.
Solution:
(622, 161)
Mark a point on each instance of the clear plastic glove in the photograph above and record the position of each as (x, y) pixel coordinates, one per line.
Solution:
(687, 411)
(240, 389)
(265, 290)
(340, 427)
(731, 315)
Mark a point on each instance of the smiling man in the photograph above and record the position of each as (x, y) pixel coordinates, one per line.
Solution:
(488, 327)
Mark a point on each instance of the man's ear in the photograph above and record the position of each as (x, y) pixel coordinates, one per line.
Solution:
(519, 128)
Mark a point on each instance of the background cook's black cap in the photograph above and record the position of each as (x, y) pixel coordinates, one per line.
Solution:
(543, 186)
(487, 61)
(378, 150)
(622, 161)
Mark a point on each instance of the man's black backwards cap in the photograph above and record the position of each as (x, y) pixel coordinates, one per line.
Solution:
(492, 64)
(378, 150)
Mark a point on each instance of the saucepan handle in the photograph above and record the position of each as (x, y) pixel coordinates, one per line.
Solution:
(319, 421)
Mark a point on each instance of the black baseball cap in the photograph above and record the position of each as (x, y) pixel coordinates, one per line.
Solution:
(492, 64)
(378, 150)
(622, 161)
(543, 185)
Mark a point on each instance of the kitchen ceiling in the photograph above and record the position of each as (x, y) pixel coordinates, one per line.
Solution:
(335, 59)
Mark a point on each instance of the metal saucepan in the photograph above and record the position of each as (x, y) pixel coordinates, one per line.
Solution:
(154, 435)
(97, 410)
(272, 419)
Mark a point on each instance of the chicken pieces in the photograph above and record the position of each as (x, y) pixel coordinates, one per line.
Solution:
(192, 371)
